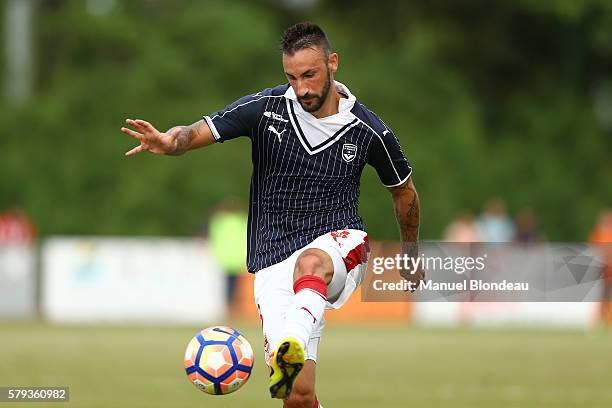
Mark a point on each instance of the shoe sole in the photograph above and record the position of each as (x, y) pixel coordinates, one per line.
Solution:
(290, 361)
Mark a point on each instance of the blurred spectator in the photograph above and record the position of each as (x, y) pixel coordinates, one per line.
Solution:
(527, 227)
(462, 229)
(16, 227)
(602, 234)
(227, 236)
(494, 224)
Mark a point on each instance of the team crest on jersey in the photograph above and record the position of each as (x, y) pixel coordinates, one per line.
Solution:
(349, 152)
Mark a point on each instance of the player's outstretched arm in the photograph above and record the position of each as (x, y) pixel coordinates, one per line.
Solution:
(407, 213)
(175, 141)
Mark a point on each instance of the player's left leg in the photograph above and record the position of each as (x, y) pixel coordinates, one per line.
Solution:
(303, 394)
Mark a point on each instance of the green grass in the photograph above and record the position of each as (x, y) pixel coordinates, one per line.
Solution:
(381, 367)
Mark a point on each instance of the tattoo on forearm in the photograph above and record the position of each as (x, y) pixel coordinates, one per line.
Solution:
(183, 140)
(407, 213)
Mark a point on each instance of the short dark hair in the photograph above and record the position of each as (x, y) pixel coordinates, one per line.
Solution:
(304, 35)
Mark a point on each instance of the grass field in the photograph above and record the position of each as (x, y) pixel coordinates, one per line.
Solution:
(382, 367)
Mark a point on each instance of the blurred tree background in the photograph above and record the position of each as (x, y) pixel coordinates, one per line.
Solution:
(509, 98)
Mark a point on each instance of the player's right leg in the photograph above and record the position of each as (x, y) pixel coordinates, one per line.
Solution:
(287, 361)
(280, 300)
(312, 272)
(284, 356)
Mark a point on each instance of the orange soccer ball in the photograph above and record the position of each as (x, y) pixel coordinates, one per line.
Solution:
(219, 360)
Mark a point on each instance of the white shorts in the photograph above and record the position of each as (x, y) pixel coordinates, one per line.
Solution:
(349, 252)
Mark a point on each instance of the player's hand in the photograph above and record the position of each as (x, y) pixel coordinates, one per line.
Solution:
(412, 270)
(413, 276)
(151, 139)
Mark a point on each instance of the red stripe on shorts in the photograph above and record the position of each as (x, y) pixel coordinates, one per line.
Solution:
(357, 255)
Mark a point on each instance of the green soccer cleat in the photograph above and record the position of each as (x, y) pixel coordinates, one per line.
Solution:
(285, 364)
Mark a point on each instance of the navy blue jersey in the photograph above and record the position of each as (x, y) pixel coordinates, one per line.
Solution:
(306, 171)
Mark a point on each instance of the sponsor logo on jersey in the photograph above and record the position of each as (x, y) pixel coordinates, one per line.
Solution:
(276, 132)
(349, 152)
(275, 116)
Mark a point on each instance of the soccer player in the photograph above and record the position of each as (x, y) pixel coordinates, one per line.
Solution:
(307, 244)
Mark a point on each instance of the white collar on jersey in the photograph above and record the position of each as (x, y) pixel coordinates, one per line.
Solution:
(318, 134)
(345, 103)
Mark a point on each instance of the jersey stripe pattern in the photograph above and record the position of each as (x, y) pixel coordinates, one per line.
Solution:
(306, 171)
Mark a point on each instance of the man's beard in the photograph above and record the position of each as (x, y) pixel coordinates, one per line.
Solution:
(318, 99)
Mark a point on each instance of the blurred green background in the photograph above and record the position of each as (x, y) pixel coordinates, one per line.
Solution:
(510, 99)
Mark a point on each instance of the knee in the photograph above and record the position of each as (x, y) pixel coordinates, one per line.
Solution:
(311, 262)
(301, 397)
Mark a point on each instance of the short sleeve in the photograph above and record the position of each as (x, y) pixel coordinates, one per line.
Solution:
(386, 156)
(237, 119)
